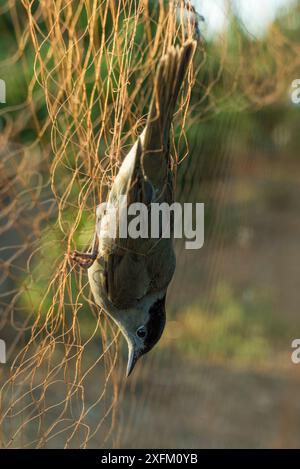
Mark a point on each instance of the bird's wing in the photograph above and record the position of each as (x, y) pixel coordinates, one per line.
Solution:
(161, 266)
(127, 279)
(130, 276)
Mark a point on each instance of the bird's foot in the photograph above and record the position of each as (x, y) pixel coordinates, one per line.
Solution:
(84, 259)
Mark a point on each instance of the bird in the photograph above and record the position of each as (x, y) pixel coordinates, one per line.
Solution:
(129, 277)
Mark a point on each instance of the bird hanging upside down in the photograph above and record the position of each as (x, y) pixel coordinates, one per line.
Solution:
(129, 277)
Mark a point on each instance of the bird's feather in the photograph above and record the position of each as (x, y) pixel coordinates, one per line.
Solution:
(135, 268)
(156, 135)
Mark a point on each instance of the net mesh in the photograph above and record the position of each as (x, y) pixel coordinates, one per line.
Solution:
(80, 77)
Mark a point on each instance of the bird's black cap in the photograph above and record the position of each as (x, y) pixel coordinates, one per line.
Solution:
(156, 324)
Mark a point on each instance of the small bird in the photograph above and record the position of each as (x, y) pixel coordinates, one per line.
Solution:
(129, 277)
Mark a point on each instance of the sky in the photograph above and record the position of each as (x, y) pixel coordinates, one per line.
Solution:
(256, 15)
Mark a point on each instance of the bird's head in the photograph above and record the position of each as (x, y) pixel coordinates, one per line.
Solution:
(142, 327)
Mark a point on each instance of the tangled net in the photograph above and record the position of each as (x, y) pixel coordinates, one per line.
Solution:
(83, 78)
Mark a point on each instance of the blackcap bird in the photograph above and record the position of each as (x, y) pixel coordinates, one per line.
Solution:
(129, 276)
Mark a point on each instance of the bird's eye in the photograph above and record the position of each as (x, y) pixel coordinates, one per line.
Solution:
(141, 332)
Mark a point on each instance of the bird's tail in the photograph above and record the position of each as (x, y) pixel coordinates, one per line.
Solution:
(156, 136)
(169, 78)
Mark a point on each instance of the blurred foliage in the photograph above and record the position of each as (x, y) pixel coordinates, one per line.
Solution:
(239, 329)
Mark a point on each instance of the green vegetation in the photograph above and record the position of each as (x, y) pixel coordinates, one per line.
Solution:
(241, 330)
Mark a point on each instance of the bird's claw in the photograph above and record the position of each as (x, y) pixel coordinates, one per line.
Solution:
(84, 259)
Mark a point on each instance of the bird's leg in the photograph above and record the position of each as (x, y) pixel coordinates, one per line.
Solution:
(86, 259)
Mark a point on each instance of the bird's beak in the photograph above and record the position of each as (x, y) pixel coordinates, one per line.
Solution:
(133, 356)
